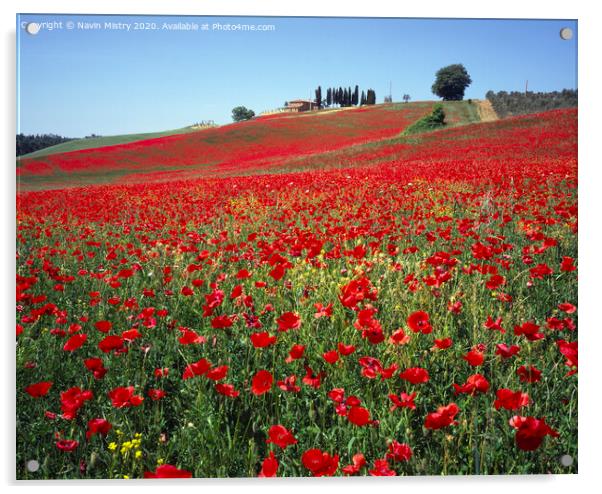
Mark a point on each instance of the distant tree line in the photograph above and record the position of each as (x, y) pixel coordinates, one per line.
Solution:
(344, 97)
(519, 103)
(30, 143)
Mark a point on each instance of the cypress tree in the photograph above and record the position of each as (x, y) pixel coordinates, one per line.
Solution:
(319, 97)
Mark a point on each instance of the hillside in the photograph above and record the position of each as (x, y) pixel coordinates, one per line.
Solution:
(532, 138)
(103, 141)
(284, 143)
(244, 146)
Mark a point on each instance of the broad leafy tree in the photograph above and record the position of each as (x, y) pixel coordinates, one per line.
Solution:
(241, 113)
(451, 82)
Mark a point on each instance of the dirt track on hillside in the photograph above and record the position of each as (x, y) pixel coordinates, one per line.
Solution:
(486, 111)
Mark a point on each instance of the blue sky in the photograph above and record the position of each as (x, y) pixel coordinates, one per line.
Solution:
(76, 82)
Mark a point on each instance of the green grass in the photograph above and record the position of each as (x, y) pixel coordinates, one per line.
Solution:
(460, 113)
(435, 120)
(456, 113)
(97, 142)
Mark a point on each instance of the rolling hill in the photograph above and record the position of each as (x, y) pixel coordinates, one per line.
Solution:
(280, 143)
(244, 146)
(103, 141)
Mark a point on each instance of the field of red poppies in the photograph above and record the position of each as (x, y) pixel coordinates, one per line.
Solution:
(357, 304)
(239, 148)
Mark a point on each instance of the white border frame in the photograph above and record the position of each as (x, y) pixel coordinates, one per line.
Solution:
(590, 198)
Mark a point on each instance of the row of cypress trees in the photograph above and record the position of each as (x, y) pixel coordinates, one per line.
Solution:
(345, 97)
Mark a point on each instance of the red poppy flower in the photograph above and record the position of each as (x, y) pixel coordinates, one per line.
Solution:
(443, 417)
(358, 416)
(123, 397)
(554, 324)
(566, 307)
(278, 271)
(312, 379)
(323, 311)
(399, 452)
(72, 400)
(187, 291)
(243, 274)
(289, 384)
(280, 436)
(223, 321)
(357, 291)
(103, 326)
(569, 350)
(95, 365)
(331, 357)
(262, 340)
(371, 367)
(506, 351)
(196, 369)
(530, 432)
(443, 344)
(236, 292)
(156, 394)
(529, 330)
(227, 390)
(374, 333)
(110, 343)
(38, 390)
(415, 375)
(319, 463)
(130, 335)
(217, 373)
(98, 426)
(190, 337)
(541, 270)
(399, 337)
(161, 372)
(269, 466)
(67, 445)
(528, 374)
(288, 320)
(510, 400)
(337, 395)
(345, 350)
(75, 342)
(419, 322)
(382, 469)
(388, 372)
(296, 352)
(262, 382)
(168, 472)
(404, 400)
(474, 357)
(494, 325)
(495, 281)
(359, 461)
(455, 307)
(474, 384)
(567, 264)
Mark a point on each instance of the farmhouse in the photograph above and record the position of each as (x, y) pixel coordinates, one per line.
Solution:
(299, 105)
